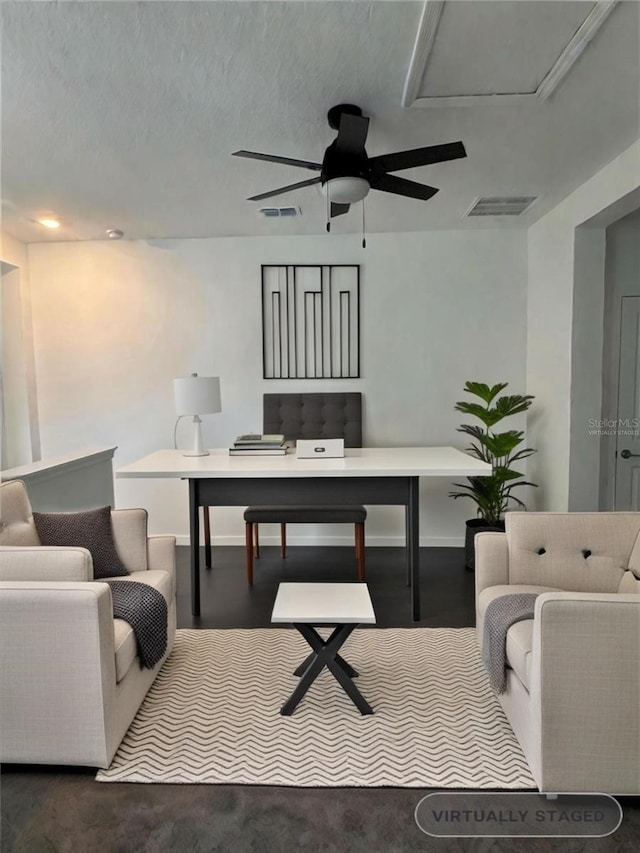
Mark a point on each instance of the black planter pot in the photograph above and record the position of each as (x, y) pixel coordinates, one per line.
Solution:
(476, 525)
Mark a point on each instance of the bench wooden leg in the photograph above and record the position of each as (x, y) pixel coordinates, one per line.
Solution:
(283, 540)
(256, 540)
(248, 530)
(359, 526)
(207, 536)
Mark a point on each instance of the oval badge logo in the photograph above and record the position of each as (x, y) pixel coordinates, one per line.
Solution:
(518, 814)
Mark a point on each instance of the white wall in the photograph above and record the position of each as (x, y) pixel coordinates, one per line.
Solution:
(115, 322)
(565, 299)
(20, 437)
(12, 251)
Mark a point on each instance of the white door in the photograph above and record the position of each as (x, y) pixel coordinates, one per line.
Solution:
(627, 425)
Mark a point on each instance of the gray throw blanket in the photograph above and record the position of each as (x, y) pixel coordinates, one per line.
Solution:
(500, 615)
(145, 609)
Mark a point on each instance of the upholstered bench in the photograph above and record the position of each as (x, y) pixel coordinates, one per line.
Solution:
(283, 515)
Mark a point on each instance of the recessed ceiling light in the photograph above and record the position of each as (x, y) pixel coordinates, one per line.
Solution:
(49, 223)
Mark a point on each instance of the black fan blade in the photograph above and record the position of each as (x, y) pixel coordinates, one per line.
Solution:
(339, 209)
(281, 190)
(352, 134)
(418, 157)
(273, 158)
(400, 186)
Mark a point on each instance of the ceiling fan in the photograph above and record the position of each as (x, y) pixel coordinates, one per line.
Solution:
(347, 173)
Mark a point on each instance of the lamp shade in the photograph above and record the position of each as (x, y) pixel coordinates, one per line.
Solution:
(197, 395)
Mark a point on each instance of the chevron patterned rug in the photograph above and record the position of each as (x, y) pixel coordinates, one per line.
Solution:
(212, 715)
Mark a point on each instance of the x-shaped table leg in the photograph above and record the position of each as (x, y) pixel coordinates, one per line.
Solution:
(325, 653)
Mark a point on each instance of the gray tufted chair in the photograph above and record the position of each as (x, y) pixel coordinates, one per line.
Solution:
(314, 415)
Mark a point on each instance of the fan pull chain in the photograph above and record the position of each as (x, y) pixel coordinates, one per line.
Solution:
(364, 238)
(328, 211)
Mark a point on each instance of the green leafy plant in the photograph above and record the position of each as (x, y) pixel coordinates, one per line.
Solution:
(493, 494)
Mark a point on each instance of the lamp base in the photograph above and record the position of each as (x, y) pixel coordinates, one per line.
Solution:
(198, 448)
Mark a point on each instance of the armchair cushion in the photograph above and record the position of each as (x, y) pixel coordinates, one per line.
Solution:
(501, 615)
(16, 521)
(518, 651)
(582, 552)
(90, 529)
(129, 527)
(146, 610)
(519, 635)
(490, 593)
(126, 649)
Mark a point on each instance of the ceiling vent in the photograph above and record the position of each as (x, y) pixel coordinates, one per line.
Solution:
(273, 212)
(501, 205)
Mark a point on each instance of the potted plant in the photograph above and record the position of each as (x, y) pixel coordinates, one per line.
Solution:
(492, 494)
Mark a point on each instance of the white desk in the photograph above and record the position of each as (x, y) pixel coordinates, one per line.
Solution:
(371, 475)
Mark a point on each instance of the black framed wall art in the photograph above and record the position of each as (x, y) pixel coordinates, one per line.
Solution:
(311, 321)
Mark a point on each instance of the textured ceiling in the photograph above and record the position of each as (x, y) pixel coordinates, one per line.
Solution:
(123, 115)
(533, 34)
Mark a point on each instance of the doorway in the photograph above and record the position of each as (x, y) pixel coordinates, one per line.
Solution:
(627, 422)
(619, 427)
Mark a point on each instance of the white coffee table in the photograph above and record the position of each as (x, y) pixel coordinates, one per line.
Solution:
(341, 605)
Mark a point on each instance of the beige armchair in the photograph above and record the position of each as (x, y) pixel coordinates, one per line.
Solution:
(70, 679)
(573, 671)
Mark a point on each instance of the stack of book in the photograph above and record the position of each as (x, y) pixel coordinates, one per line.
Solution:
(258, 445)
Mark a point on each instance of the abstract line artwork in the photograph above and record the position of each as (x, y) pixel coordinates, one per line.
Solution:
(311, 321)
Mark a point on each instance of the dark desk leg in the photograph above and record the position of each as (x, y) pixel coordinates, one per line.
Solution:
(413, 545)
(206, 529)
(407, 542)
(194, 535)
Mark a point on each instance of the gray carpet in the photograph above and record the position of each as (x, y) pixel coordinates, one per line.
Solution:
(212, 715)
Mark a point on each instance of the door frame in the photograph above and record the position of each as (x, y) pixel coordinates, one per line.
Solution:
(612, 341)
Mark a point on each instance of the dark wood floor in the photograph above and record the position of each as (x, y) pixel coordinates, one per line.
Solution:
(227, 602)
(46, 809)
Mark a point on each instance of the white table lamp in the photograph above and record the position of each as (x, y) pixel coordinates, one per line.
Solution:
(197, 395)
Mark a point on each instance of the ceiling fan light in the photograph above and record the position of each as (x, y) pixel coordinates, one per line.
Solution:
(346, 190)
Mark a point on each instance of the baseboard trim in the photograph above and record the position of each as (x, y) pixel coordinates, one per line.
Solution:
(339, 541)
